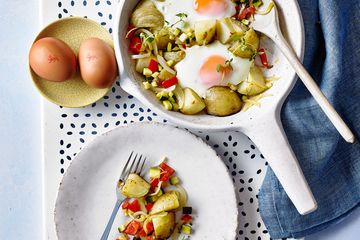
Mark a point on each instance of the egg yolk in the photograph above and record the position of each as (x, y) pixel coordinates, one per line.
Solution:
(213, 71)
(210, 7)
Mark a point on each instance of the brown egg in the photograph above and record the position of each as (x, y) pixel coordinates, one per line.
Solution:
(52, 59)
(97, 63)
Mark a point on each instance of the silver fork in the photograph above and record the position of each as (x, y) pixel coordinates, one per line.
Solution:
(120, 198)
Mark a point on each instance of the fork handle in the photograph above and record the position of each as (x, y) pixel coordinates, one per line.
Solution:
(111, 221)
(311, 85)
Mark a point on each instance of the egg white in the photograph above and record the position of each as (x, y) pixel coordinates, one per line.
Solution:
(188, 69)
(169, 8)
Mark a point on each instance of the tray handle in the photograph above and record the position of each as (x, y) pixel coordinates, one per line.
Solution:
(270, 138)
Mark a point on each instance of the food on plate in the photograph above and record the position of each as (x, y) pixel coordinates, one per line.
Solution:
(147, 15)
(198, 55)
(222, 101)
(254, 84)
(205, 31)
(97, 63)
(52, 59)
(157, 209)
(135, 186)
(193, 103)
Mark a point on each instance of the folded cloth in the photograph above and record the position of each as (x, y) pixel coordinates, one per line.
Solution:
(331, 165)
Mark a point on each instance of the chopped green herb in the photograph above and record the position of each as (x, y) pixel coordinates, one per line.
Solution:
(181, 17)
(226, 65)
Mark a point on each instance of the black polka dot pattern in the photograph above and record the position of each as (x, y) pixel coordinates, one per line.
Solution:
(76, 127)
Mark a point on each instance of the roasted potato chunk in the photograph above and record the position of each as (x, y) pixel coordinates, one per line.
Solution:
(205, 31)
(164, 225)
(254, 84)
(162, 38)
(165, 75)
(135, 186)
(193, 103)
(167, 202)
(228, 30)
(247, 46)
(222, 101)
(147, 15)
(175, 56)
(143, 63)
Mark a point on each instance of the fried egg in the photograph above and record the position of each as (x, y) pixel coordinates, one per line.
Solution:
(205, 66)
(196, 10)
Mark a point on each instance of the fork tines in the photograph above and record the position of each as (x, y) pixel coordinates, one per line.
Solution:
(134, 162)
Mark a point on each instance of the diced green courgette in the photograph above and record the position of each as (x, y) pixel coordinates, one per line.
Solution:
(155, 172)
(174, 180)
(121, 228)
(186, 229)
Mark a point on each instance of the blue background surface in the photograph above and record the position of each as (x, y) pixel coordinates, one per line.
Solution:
(20, 128)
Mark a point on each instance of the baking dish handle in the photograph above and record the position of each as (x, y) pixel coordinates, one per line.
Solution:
(272, 142)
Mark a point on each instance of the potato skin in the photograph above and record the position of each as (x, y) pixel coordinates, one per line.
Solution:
(205, 31)
(147, 15)
(167, 202)
(193, 103)
(164, 226)
(222, 101)
(251, 41)
(135, 186)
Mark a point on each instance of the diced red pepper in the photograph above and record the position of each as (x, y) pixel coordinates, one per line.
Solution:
(186, 218)
(134, 206)
(149, 206)
(167, 168)
(169, 82)
(135, 45)
(132, 228)
(153, 65)
(142, 233)
(125, 205)
(153, 183)
(149, 227)
(166, 173)
(248, 10)
(152, 237)
(263, 58)
(237, 10)
(130, 32)
(164, 176)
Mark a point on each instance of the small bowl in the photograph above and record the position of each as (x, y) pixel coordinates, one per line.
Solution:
(73, 92)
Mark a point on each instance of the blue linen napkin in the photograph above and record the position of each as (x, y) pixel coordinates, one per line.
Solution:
(331, 166)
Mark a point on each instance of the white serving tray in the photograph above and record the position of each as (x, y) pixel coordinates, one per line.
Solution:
(66, 131)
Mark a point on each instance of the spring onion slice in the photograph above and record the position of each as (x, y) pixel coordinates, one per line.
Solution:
(267, 10)
(139, 56)
(163, 63)
(183, 195)
(143, 216)
(130, 31)
(169, 89)
(149, 34)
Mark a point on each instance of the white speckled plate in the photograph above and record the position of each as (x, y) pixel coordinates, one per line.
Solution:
(87, 194)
